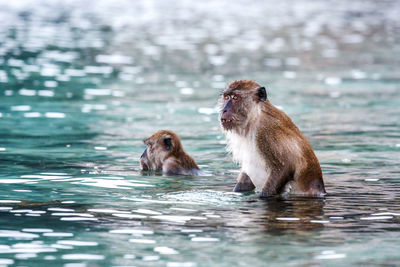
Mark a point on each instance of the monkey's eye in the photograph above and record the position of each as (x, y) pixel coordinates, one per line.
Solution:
(226, 97)
(234, 97)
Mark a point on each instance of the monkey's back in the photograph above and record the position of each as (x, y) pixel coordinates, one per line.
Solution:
(288, 152)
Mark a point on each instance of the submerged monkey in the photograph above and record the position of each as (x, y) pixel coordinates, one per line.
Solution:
(275, 157)
(165, 153)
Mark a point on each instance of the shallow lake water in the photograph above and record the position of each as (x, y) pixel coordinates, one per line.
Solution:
(83, 82)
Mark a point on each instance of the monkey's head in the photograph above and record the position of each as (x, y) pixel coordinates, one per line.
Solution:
(239, 103)
(159, 147)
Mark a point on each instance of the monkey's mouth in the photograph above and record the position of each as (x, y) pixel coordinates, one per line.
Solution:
(227, 124)
(144, 166)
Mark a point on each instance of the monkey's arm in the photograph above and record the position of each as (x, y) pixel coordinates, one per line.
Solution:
(244, 183)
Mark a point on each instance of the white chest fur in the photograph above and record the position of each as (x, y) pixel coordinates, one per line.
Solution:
(245, 152)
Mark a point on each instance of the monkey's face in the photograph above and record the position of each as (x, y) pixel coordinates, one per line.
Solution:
(233, 109)
(158, 146)
(144, 161)
(239, 104)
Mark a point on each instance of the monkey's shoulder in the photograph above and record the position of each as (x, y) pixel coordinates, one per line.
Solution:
(180, 166)
(278, 143)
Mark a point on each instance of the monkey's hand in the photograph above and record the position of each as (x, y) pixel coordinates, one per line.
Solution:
(244, 183)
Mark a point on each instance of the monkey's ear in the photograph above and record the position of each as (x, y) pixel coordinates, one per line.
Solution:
(167, 142)
(262, 94)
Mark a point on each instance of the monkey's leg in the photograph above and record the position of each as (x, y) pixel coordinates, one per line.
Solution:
(274, 184)
(244, 183)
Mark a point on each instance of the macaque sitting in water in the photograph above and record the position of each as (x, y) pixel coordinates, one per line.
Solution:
(275, 157)
(165, 153)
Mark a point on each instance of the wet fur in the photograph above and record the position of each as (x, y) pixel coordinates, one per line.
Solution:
(271, 150)
(169, 158)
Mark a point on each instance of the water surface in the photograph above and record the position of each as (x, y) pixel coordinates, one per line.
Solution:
(81, 87)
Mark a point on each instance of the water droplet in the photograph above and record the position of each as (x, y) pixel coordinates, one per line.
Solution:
(289, 74)
(98, 92)
(319, 221)
(46, 93)
(287, 219)
(329, 255)
(54, 115)
(82, 257)
(114, 59)
(58, 234)
(37, 230)
(77, 243)
(165, 250)
(333, 80)
(371, 179)
(21, 108)
(27, 92)
(32, 115)
(207, 111)
(187, 91)
(50, 84)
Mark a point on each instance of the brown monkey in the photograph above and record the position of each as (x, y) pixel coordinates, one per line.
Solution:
(274, 155)
(165, 153)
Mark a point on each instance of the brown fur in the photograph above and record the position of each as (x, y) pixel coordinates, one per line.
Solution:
(165, 153)
(287, 154)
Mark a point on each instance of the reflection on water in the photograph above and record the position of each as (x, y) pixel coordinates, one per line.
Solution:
(80, 88)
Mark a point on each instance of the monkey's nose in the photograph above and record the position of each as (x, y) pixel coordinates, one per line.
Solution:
(226, 114)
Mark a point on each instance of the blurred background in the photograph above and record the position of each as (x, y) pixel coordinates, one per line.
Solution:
(83, 82)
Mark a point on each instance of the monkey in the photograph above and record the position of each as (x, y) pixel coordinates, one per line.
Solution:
(164, 152)
(275, 157)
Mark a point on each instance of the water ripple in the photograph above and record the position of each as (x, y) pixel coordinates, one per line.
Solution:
(81, 88)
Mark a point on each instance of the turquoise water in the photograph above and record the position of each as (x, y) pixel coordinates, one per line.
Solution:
(82, 83)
